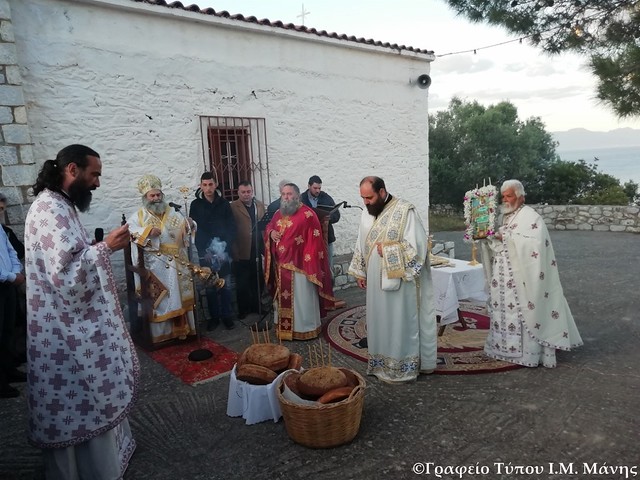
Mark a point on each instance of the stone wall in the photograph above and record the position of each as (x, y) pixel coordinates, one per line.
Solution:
(444, 209)
(608, 218)
(343, 280)
(600, 218)
(17, 166)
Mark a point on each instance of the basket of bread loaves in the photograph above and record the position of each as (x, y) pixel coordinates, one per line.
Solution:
(322, 406)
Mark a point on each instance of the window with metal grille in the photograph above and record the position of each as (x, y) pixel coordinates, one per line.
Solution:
(235, 150)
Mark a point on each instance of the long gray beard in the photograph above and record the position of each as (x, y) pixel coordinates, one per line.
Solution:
(157, 208)
(289, 207)
(507, 208)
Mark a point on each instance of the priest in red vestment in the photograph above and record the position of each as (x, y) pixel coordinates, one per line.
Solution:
(297, 268)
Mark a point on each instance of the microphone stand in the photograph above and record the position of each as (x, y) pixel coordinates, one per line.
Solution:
(346, 205)
(339, 303)
(199, 354)
(255, 230)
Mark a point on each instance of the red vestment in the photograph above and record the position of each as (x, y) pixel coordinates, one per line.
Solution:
(301, 249)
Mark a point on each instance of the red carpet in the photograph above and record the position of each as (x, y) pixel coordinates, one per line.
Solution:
(176, 359)
(460, 351)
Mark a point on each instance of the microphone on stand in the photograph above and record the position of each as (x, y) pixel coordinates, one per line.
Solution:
(346, 205)
(175, 206)
(99, 234)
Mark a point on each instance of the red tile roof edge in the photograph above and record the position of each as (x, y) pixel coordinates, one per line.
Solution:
(279, 24)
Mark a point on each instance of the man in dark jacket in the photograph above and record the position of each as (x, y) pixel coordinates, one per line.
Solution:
(215, 234)
(314, 197)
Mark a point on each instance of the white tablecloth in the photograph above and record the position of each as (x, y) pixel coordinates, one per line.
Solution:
(452, 284)
(254, 403)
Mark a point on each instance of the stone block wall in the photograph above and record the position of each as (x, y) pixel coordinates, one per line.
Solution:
(342, 280)
(443, 209)
(17, 166)
(608, 218)
(599, 218)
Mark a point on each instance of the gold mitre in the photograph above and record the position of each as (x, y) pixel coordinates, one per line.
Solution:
(149, 182)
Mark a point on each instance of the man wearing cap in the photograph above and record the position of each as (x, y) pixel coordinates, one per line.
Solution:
(164, 234)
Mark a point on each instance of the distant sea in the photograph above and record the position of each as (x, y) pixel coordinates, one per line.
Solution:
(620, 162)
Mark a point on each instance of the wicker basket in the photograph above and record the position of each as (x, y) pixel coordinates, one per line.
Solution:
(323, 426)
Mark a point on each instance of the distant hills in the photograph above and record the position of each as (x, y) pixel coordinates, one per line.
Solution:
(580, 139)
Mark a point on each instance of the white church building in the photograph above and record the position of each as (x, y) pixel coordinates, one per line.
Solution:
(161, 88)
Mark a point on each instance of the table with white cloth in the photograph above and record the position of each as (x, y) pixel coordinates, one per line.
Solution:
(451, 284)
(254, 403)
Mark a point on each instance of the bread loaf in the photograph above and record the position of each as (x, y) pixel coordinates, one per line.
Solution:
(255, 374)
(295, 361)
(315, 382)
(269, 355)
(336, 395)
(352, 380)
(291, 381)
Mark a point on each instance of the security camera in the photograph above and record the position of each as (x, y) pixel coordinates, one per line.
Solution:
(424, 81)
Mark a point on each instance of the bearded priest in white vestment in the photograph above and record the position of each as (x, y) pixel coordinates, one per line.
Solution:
(530, 317)
(163, 230)
(390, 260)
(82, 366)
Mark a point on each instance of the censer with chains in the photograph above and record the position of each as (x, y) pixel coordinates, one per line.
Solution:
(208, 277)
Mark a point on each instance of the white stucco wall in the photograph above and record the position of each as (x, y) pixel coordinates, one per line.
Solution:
(131, 79)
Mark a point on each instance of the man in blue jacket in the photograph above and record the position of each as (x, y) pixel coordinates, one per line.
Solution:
(215, 234)
(11, 277)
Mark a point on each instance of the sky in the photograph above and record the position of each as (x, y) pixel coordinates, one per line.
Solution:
(559, 90)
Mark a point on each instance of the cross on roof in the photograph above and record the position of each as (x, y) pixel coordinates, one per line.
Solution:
(303, 14)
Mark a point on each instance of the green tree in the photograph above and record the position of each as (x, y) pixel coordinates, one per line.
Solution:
(607, 32)
(609, 196)
(565, 181)
(470, 144)
(581, 183)
(631, 191)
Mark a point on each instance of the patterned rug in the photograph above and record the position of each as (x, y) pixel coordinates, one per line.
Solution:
(460, 350)
(175, 358)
